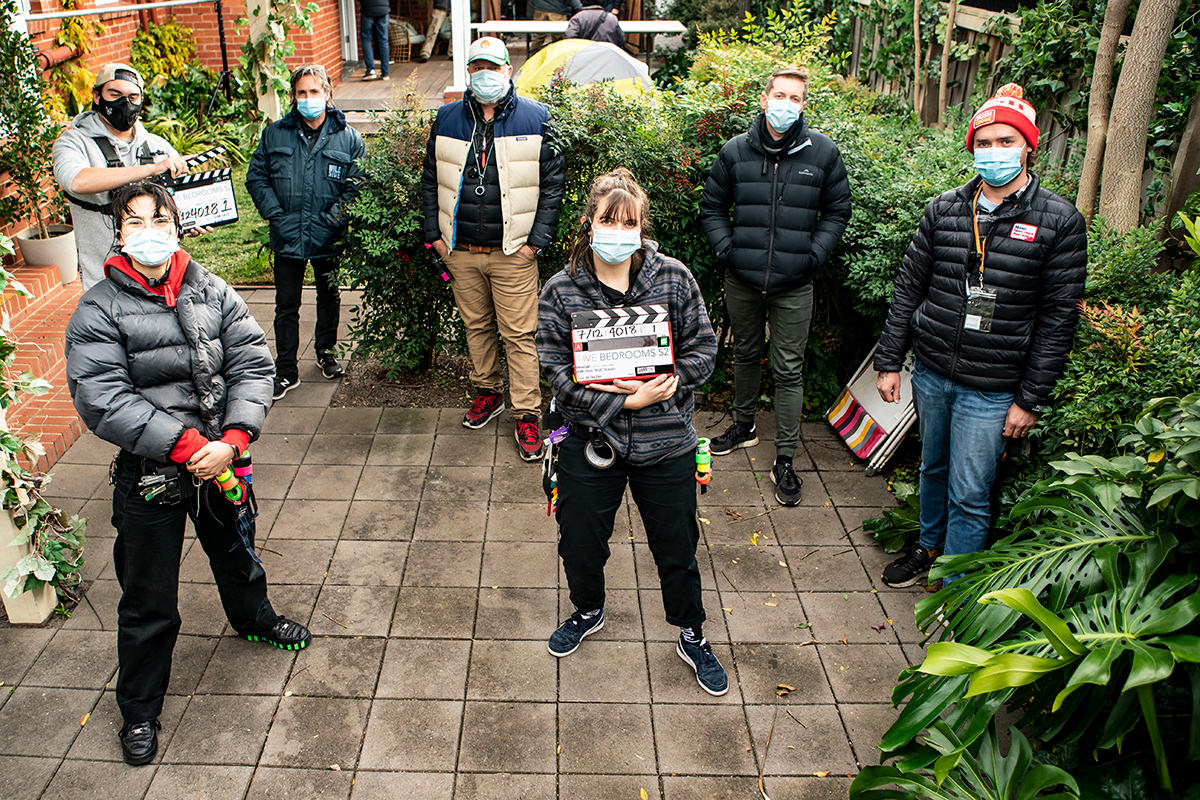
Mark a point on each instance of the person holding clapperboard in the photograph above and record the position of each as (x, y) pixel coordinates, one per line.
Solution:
(624, 339)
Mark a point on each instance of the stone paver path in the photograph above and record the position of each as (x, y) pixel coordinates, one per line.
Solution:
(421, 556)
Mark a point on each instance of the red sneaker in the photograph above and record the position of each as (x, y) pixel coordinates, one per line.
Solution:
(485, 408)
(529, 438)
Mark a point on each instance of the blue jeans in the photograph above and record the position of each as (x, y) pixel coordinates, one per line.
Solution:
(375, 28)
(961, 442)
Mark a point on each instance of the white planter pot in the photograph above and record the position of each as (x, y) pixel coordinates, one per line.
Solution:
(58, 250)
(29, 608)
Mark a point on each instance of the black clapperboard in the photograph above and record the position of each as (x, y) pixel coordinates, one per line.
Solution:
(205, 198)
(626, 343)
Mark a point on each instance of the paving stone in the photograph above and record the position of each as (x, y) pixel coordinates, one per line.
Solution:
(402, 449)
(900, 607)
(622, 615)
(424, 669)
(76, 779)
(390, 483)
(673, 681)
(368, 563)
(856, 617)
(728, 524)
(97, 740)
(503, 786)
(508, 737)
(103, 596)
(764, 617)
(321, 482)
(77, 480)
(302, 561)
(826, 568)
(463, 450)
(832, 455)
(37, 721)
(274, 783)
(444, 520)
(867, 722)
(522, 484)
(187, 782)
(98, 513)
(762, 667)
(456, 484)
(601, 672)
(295, 601)
(25, 778)
(89, 449)
(380, 520)
(520, 522)
(511, 670)
(350, 420)
(316, 732)
(392, 785)
(21, 647)
(688, 788)
(659, 630)
(814, 734)
(721, 747)
(863, 673)
(854, 516)
(856, 489)
(242, 667)
(335, 666)
(443, 564)
(338, 449)
(302, 421)
(517, 614)
(412, 735)
(451, 422)
(434, 612)
(608, 786)
(809, 525)
(189, 661)
(310, 392)
(737, 487)
(280, 448)
(746, 568)
(408, 420)
(519, 564)
(360, 610)
(272, 481)
(222, 729)
(76, 660)
(612, 738)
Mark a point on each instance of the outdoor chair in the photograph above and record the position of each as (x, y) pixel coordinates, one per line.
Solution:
(402, 38)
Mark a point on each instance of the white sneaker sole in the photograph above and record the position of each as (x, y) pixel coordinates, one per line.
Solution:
(748, 443)
(779, 499)
(476, 426)
(692, 664)
(286, 389)
(586, 634)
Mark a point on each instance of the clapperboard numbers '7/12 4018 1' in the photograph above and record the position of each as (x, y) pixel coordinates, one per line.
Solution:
(205, 198)
(628, 343)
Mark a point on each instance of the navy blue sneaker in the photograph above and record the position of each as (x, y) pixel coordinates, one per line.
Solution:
(566, 639)
(709, 672)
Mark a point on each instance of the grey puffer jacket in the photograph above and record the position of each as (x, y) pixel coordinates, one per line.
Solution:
(142, 371)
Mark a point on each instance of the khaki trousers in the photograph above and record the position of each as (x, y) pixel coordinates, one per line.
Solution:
(538, 39)
(497, 295)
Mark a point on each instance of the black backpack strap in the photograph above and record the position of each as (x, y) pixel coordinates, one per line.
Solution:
(109, 152)
(590, 31)
(88, 205)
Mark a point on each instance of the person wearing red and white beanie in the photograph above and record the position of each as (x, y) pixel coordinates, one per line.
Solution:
(986, 296)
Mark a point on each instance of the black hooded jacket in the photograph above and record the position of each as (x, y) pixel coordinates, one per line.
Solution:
(1036, 258)
(773, 215)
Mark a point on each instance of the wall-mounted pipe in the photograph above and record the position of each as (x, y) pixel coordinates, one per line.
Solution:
(48, 59)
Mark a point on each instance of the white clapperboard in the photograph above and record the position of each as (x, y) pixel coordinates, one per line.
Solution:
(627, 343)
(205, 198)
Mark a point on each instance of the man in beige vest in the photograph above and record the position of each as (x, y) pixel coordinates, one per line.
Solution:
(491, 192)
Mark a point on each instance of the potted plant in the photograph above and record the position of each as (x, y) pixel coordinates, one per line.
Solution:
(41, 551)
(27, 135)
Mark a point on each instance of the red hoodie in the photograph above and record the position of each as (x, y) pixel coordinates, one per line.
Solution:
(192, 440)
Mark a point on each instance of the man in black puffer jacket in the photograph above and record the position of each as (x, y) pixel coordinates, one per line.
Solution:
(774, 207)
(165, 361)
(987, 296)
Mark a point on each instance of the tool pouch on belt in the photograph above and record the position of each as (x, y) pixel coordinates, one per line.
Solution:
(161, 483)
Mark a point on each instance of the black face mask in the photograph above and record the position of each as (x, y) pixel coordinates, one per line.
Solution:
(120, 113)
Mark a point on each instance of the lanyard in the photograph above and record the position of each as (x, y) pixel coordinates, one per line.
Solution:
(980, 246)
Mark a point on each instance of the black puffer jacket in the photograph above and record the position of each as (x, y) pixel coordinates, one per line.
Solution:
(773, 218)
(1036, 258)
(142, 372)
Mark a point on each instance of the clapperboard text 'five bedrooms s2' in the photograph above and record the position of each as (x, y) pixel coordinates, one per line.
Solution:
(626, 343)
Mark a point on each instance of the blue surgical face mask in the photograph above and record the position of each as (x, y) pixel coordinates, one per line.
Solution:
(998, 165)
(150, 247)
(310, 107)
(615, 247)
(488, 86)
(782, 114)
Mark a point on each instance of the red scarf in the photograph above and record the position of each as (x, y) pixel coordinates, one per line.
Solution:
(168, 289)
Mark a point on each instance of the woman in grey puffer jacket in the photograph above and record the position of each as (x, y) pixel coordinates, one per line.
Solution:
(165, 361)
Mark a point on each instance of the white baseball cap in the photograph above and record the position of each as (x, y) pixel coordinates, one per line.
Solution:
(489, 48)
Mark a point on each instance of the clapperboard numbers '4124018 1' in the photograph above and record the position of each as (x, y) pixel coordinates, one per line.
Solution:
(204, 199)
(627, 343)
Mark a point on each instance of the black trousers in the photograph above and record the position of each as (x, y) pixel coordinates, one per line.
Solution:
(289, 282)
(146, 557)
(665, 494)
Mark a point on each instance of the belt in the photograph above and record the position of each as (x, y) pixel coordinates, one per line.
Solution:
(477, 248)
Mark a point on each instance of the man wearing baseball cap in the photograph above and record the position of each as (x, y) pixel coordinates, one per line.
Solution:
(491, 192)
(104, 149)
(987, 297)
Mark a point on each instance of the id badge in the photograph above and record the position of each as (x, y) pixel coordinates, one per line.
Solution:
(981, 308)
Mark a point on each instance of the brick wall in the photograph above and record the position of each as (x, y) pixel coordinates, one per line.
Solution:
(324, 45)
(202, 19)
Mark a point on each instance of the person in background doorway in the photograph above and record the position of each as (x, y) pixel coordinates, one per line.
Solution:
(441, 11)
(596, 23)
(374, 28)
(551, 11)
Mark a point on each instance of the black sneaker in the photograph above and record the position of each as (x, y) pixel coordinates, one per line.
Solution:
(905, 570)
(787, 482)
(139, 742)
(283, 386)
(709, 672)
(566, 639)
(739, 434)
(285, 634)
(330, 367)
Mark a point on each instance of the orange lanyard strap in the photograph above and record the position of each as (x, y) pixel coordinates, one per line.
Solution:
(980, 246)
